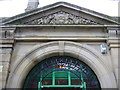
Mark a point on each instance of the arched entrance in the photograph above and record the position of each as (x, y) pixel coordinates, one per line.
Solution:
(39, 53)
(63, 72)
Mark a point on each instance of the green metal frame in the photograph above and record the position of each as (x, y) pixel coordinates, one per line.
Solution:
(83, 85)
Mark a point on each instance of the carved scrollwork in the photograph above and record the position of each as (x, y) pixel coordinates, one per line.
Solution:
(61, 18)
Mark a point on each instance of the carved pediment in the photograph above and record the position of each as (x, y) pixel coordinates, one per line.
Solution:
(60, 13)
(61, 17)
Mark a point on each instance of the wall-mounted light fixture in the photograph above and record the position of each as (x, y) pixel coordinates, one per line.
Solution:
(103, 48)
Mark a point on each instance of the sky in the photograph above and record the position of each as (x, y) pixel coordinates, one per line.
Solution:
(9, 8)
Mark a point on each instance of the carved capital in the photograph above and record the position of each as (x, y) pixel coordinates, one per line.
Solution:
(113, 31)
(7, 33)
(114, 40)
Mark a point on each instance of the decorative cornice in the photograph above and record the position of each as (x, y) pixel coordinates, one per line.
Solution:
(3, 26)
(73, 39)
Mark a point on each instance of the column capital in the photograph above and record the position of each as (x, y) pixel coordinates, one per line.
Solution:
(113, 37)
(7, 35)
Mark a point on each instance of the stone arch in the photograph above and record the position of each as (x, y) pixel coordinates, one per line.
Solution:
(79, 51)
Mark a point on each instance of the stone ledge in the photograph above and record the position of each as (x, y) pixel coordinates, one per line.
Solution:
(7, 41)
(46, 39)
(6, 45)
(114, 41)
(114, 45)
(58, 26)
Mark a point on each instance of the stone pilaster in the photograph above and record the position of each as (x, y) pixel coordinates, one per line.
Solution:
(114, 46)
(6, 47)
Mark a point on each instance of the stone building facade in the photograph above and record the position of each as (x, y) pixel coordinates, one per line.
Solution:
(59, 29)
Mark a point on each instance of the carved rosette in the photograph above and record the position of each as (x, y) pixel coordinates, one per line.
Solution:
(61, 18)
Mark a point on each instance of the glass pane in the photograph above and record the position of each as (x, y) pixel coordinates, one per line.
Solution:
(47, 82)
(61, 75)
(61, 82)
(75, 82)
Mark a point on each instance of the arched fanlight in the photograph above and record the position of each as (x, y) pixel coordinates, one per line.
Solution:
(61, 71)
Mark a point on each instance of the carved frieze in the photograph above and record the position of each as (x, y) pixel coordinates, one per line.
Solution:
(61, 17)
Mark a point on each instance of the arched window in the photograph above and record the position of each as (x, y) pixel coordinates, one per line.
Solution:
(61, 72)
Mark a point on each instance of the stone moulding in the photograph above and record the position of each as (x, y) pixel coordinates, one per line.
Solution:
(61, 17)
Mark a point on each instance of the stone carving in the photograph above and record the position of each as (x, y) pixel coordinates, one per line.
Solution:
(61, 18)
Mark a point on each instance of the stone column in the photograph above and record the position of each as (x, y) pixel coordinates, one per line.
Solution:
(6, 47)
(114, 46)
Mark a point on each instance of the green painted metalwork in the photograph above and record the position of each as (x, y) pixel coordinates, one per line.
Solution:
(81, 86)
(53, 78)
(39, 85)
(61, 71)
(61, 75)
(69, 79)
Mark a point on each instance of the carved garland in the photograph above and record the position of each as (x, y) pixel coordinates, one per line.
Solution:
(62, 18)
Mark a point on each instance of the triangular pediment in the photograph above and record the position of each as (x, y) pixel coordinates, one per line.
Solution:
(60, 13)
